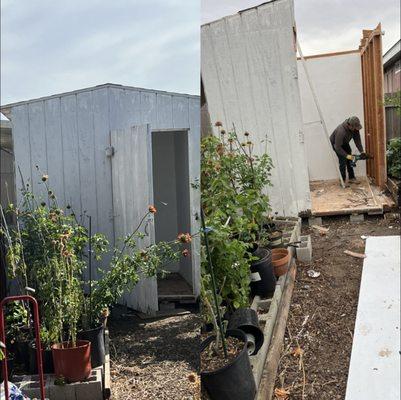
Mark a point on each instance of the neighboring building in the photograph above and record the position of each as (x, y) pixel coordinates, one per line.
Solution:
(110, 151)
(392, 85)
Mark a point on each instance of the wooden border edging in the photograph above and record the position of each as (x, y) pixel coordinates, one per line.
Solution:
(268, 378)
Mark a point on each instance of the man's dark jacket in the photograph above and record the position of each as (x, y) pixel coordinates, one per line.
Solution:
(342, 135)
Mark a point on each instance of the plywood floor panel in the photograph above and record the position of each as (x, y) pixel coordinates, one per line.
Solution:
(329, 198)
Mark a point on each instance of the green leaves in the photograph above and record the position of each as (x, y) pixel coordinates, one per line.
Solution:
(234, 181)
(394, 158)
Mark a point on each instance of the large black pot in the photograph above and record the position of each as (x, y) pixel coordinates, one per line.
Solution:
(10, 370)
(246, 320)
(234, 381)
(96, 337)
(263, 280)
(47, 360)
(20, 350)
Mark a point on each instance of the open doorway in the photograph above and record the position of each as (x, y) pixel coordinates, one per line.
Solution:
(171, 188)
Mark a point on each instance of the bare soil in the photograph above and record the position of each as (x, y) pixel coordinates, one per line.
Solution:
(210, 360)
(318, 341)
(155, 359)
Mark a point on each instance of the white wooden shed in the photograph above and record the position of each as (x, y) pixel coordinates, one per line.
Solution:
(110, 151)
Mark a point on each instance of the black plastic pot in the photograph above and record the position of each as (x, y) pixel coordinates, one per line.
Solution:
(263, 280)
(21, 354)
(96, 338)
(235, 380)
(246, 320)
(47, 360)
(10, 369)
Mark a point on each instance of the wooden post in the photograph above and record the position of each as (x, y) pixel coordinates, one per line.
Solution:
(372, 80)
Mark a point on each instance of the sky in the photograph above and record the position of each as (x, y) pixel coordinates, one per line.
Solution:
(325, 26)
(49, 47)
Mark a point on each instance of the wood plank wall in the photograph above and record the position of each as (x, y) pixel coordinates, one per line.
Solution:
(373, 94)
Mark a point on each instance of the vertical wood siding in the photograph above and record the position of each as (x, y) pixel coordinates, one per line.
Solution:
(249, 73)
(66, 136)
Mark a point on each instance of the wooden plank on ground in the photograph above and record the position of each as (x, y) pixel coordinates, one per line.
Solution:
(268, 378)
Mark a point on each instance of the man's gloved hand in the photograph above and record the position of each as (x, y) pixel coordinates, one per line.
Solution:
(350, 157)
(363, 156)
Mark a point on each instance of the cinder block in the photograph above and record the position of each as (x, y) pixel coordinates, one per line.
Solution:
(355, 218)
(304, 251)
(89, 389)
(315, 221)
(29, 385)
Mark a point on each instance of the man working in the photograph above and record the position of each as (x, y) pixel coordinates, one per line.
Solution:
(340, 139)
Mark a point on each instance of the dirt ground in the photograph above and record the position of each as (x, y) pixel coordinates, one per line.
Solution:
(155, 359)
(320, 326)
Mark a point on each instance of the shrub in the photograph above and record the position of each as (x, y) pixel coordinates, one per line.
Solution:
(394, 158)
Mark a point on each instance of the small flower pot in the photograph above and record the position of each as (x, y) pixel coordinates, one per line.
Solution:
(47, 360)
(263, 280)
(280, 259)
(96, 338)
(246, 320)
(235, 380)
(72, 363)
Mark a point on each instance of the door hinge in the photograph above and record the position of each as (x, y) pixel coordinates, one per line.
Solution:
(110, 151)
(301, 137)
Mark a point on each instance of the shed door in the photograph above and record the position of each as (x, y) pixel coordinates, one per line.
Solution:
(132, 194)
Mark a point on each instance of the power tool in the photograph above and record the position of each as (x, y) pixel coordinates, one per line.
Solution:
(358, 157)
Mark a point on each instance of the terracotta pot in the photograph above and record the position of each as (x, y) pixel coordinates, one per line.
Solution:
(280, 259)
(72, 363)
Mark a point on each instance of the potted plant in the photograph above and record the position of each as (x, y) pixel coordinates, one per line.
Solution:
(19, 333)
(128, 263)
(234, 180)
(226, 372)
(46, 251)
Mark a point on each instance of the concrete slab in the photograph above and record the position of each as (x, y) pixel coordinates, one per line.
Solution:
(374, 371)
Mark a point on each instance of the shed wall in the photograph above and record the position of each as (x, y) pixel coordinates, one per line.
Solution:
(337, 81)
(249, 74)
(66, 136)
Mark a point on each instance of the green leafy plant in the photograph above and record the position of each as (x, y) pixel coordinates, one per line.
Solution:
(393, 100)
(46, 252)
(132, 262)
(394, 158)
(17, 320)
(234, 181)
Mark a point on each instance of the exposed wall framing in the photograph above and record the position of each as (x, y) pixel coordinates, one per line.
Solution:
(373, 94)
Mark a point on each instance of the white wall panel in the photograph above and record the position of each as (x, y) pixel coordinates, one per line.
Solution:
(337, 81)
(249, 72)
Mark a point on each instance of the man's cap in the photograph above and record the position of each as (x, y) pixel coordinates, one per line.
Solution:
(354, 123)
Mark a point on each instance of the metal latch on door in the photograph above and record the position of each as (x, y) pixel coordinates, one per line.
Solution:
(110, 151)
